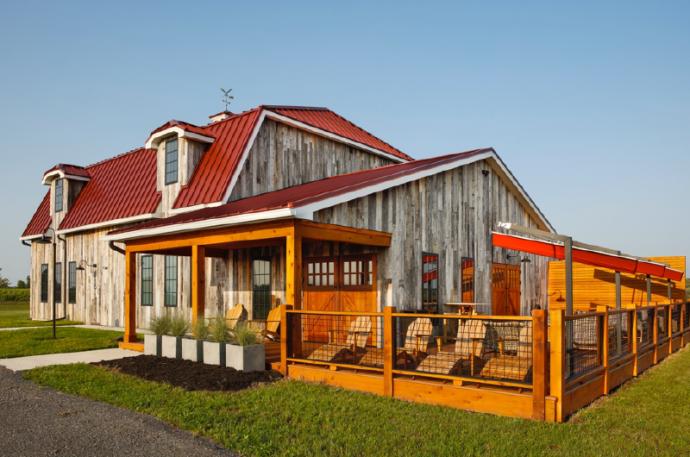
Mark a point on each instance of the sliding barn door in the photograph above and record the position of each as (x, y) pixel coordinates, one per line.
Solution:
(505, 286)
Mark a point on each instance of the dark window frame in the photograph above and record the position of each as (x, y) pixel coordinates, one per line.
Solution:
(59, 195)
(146, 281)
(44, 283)
(57, 282)
(313, 273)
(260, 310)
(171, 161)
(170, 281)
(430, 303)
(365, 276)
(72, 283)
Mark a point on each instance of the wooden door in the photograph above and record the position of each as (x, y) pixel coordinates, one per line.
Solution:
(505, 288)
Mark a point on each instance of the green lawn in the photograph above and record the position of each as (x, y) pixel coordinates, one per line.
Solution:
(16, 314)
(19, 343)
(648, 416)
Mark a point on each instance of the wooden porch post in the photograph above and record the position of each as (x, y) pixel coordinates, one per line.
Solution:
(388, 350)
(130, 297)
(293, 269)
(558, 360)
(198, 282)
(539, 358)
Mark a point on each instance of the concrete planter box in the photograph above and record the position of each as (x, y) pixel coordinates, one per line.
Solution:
(192, 350)
(242, 358)
(152, 345)
(172, 347)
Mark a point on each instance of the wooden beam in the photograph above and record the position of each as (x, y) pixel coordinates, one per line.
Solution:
(249, 232)
(130, 297)
(332, 232)
(198, 282)
(293, 269)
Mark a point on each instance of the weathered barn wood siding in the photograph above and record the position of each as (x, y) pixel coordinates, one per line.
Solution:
(283, 156)
(450, 214)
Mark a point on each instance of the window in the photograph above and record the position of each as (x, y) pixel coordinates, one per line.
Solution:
(147, 280)
(467, 280)
(171, 161)
(358, 271)
(72, 283)
(170, 298)
(321, 272)
(58, 195)
(57, 290)
(44, 283)
(430, 282)
(261, 288)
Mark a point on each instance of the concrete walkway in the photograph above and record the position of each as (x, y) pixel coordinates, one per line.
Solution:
(90, 326)
(35, 361)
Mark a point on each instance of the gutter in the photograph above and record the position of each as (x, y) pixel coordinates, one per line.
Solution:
(111, 245)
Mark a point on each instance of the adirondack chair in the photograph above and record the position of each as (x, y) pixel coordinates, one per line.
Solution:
(235, 315)
(356, 340)
(469, 347)
(415, 347)
(508, 366)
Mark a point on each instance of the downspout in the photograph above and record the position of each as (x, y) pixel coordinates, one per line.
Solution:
(111, 245)
(26, 243)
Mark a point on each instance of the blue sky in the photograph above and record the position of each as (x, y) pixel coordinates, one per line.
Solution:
(587, 102)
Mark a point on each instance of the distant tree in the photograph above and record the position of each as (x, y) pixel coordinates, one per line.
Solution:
(21, 284)
(4, 282)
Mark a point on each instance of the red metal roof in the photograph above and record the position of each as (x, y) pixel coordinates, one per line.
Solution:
(186, 126)
(69, 169)
(211, 178)
(121, 187)
(327, 120)
(305, 194)
(620, 263)
(41, 219)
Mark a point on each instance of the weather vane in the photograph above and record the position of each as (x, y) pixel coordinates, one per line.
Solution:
(227, 97)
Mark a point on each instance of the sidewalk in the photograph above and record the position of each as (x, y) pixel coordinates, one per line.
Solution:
(35, 361)
(91, 326)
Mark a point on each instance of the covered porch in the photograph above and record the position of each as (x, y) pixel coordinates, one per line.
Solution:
(291, 235)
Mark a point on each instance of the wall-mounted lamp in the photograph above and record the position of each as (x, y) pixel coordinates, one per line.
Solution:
(524, 259)
(83, 264)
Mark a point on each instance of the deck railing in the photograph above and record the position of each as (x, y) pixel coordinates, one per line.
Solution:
(511, 365)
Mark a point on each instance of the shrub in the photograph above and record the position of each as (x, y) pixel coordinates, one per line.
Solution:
(179, 326)
(219, 330)
(244, 335)
(200, 329)
(13, 294)
(161, 325)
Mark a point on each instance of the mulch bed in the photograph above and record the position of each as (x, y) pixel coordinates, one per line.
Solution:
(189, 375)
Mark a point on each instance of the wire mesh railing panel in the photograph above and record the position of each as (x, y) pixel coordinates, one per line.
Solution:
(619, 334)
(686, 316)
(347, 339)
(583, 345)
(645, 328)
(662, 324)
(675, 318)
(482, 349)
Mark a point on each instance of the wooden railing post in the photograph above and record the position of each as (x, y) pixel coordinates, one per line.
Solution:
(388, 350)
(669, 327)
(557, 358)
(633, 334)
(604, 319)
(539, 358)
(681, 324)
(285, 333)
(655, 334)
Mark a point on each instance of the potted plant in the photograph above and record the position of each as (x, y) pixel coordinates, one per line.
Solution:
(245, 353)
(214, 350)
(153, 343)
(193, 349)
(172, 342)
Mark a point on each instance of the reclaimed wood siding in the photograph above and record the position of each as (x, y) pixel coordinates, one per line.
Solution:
(283, 156)
(450, 214)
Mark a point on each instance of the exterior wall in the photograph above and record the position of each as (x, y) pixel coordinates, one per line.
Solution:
(283, 156)
(450, 214)
(189, 155)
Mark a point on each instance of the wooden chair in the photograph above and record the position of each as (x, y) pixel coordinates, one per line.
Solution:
(508, 366)
(415, 347)
(469, 347)
(235, 315)
(356, 341)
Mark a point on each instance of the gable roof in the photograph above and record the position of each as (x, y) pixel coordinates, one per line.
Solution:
(66, 170)
(120, 190)
(305, 199)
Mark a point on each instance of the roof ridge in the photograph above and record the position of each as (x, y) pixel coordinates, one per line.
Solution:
(118, 156)
(297, 107)
(234, 116)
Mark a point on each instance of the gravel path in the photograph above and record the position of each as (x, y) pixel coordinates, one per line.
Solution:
(42, 422)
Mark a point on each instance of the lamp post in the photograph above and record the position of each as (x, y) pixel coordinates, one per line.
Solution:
(45, 239)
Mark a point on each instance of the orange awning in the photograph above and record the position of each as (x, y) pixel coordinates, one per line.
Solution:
(620, 263)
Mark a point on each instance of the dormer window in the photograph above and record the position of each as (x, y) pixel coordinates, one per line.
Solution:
(58, 195)
(171, 161)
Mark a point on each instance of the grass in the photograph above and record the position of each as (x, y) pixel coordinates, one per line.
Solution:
(19, 343)
(648, 416)
(16, 314)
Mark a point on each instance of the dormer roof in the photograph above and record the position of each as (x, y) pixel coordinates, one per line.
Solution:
(65, 170)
